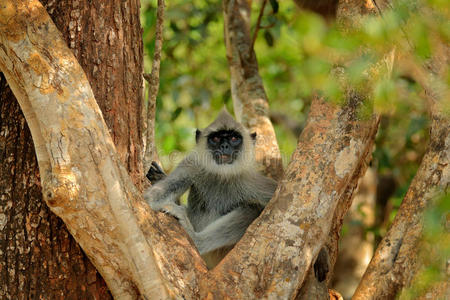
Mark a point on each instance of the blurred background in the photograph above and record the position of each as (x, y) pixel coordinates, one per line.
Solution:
(296, 51)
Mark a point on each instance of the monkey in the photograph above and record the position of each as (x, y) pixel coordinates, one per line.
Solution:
(226, 192)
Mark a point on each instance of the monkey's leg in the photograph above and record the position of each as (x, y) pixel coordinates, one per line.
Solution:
(225, 231)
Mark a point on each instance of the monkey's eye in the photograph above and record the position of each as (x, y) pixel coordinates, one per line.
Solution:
(214, 140)
(235, 140)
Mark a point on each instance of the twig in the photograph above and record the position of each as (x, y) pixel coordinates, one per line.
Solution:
(258, 23)
(153, 82)
(380, 12)
(378, 7)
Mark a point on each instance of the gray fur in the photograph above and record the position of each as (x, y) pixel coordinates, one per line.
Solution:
(223, 199)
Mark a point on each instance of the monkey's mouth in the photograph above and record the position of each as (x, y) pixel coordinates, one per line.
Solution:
(223, 159)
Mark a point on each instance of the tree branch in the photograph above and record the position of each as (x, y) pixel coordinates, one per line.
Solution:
(249, 97)
(257, 27)
(153, 81)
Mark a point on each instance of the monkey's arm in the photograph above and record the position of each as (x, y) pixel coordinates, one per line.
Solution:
(167, 190)
(225, 231)
(262, 189)
(163, 195)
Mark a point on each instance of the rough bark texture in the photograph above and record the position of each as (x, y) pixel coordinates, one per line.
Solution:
(251, 106)
(395, 261)
(348, 13)
(312, 288)
(287, 237)
(38, 257)
(106, 39)
(141, 253)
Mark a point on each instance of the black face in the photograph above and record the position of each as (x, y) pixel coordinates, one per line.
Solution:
(225, 145)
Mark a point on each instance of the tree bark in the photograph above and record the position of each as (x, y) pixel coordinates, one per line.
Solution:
(106, 39)
(145, 254)
(38, 255)
(348, 14)
(83, 179)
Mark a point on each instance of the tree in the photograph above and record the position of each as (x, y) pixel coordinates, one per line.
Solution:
(141, 253)
(40, 256)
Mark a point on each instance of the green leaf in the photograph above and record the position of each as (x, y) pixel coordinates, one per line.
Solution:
(275, 6)
(176, 113)
(269, 38)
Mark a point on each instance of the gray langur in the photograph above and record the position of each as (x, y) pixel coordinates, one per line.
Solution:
(226, 192)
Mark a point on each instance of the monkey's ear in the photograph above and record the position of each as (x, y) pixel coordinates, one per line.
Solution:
(253, 136)
(198, 133)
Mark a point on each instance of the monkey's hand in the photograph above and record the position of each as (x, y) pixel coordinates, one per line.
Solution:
(155, 173)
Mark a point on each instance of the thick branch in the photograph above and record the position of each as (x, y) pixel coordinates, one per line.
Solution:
(395, 261)
(249, 98)
(287, 237)
(82, 177)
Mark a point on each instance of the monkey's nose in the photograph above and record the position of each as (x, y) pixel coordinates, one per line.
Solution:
(226, 149)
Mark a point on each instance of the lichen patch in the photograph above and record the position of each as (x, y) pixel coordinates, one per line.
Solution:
(346, 159)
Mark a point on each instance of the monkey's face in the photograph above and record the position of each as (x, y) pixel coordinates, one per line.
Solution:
(225, 146)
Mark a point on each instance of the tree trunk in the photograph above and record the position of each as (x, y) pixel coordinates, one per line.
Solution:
(38, 257)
